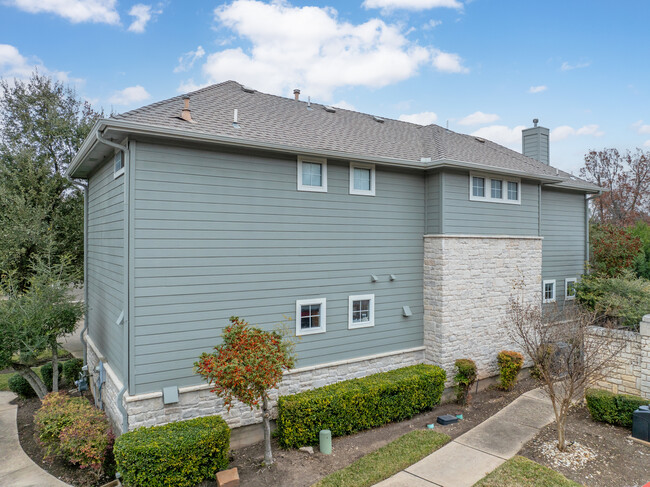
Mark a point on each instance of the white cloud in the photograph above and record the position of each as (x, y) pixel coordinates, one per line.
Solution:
(432, 24)
(501, 134)
(565, 131)
(15, 65)
(344, 105)
(646, 143)
(310, 49)
(189, 85)
(130, 95)
(641, 128)
(479, 118)
(448, 62)
(422, 118)
(537, 89)
(187, 60)
(568, 67)
(411, 4)
(142, 14)
(99, 11)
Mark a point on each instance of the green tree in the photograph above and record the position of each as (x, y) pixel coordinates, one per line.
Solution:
(246, 366)
(642, 261)
(34, 320)
(42, 126)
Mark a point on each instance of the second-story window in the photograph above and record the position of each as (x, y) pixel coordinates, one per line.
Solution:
(312, 174)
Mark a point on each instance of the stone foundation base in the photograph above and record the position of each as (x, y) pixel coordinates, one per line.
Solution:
(195, 401)
(468, 282)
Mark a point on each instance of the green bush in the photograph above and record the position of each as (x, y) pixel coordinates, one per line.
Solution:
(71, 370)
(611, 408)
(46, 374)
(182, 454)
(358, 404)
(510, 363)
(464, 379)
(19, 386)
(624, 299)
(642, 261)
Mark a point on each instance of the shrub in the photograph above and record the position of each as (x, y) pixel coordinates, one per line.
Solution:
(72, 369)
(642, 261)
(181, 454)
(75, 429)
(624, 299)
(358, 404)
(19, 386)
(46, 374)
(510, 363)
(464, 379)
(611, 408)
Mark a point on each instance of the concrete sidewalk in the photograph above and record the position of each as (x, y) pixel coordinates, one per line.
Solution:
(470, 457)
(16, 468)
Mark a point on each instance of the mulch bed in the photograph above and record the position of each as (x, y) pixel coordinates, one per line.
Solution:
(294, 468)
(61, 469)
(613, 459)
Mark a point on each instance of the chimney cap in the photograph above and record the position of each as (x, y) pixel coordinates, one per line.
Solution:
(535, 121)
(186, 97)
(296, 91)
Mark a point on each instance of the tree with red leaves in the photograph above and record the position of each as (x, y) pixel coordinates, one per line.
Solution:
(246, 366)
(626, 177)
(614, 249)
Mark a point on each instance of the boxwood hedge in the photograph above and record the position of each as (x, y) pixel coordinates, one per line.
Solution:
(358, 404)
(181, 454)
(611, 408)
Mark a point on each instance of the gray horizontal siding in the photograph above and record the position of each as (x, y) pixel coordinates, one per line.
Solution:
(463, 216)
(433, 203)
(106, 263)
(221, 234)
(563, 229)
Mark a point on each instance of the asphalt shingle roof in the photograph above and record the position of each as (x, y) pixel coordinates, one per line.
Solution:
(278, 120)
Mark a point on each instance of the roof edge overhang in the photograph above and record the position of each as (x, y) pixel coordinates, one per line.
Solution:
(82, 160)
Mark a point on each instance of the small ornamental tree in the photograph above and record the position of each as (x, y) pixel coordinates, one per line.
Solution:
(246, 366)
(614, 249)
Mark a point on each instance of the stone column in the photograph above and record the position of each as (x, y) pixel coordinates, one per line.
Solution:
(644, 329)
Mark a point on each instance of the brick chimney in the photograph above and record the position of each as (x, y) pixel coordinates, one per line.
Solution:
(185, 112)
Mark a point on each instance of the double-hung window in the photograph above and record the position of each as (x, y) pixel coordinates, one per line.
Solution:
(548, 292)
(312, 174)
(361, 311)
(118, 164)
(570, 288)
(310, 316)
(362, 179)
(494, 189)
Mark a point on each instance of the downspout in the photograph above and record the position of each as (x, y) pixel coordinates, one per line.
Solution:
(587, 200)
(84, 330)
(120, 394)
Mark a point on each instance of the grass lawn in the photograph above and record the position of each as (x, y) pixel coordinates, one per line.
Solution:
(387, 461)
(520, 471)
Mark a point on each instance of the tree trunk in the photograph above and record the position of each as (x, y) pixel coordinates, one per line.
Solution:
(268, 455)
(55, 368)
(33, 379)
(561, 441)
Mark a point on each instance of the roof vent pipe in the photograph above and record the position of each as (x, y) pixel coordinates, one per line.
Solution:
(296, 94)
(309, 102)
(185, 112)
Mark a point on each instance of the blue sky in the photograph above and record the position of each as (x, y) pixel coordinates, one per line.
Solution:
(486, 67)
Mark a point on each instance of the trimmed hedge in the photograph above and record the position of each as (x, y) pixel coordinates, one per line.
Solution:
(19, 386)
(71, 370)
(46, 374)
(617, 409)
(182, 454)
(358, 404)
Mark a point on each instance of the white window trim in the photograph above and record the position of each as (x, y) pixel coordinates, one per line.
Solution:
(488, 189)
(316, 160)
(323, 321)
(568, 280)
(553, 299)
(366, 324)
(362, 192)
(119, 172)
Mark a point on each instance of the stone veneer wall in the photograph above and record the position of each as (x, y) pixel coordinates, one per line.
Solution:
(630, 371)
(468, 281)
(194, 401)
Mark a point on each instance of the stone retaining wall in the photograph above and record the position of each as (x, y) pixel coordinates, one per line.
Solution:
(630, 371)
(468, 281)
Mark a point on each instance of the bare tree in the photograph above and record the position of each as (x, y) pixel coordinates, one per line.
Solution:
(567, 350)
